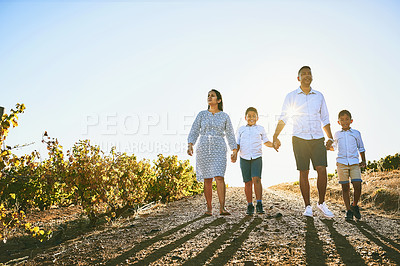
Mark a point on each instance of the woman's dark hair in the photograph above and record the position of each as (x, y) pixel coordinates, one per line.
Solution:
(344, 112)
(219, 97)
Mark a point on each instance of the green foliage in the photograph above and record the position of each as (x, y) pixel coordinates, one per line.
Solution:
(11, 219)
(173, 180)
(129, 180)
(8, 120)
(331, 176)
(15, 182)
(390, 162)
(214, 185)
(105, 185)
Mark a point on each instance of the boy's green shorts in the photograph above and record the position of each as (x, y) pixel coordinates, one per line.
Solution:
(251, 168)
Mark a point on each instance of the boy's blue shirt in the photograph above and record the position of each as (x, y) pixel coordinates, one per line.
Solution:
(349, 144)
(251, 139)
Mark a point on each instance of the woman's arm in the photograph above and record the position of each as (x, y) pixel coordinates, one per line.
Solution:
(230, 134)
(194, 133)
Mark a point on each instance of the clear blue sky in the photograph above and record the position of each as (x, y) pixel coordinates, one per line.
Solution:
(134, 73)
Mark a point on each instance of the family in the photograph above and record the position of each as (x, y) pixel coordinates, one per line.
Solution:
(307, 108)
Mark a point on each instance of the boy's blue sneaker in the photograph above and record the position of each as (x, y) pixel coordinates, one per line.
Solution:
(250, 209)
(356, 211)
(259, 208)
(349, 216)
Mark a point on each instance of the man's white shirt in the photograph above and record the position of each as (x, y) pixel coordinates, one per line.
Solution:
(251, 139)
(308, 112)
(349, 144)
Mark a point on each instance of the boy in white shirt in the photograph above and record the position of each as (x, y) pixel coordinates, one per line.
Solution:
(349, 144)
(250, 139)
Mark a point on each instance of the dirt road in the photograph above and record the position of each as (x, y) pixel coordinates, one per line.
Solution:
(178, 234)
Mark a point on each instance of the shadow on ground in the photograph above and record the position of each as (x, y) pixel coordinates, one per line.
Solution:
(24, 246)
(314, 252)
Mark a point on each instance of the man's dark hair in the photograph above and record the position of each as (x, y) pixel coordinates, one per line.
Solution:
(303, 67)
(344, 112)
(219, 97)
(251, 109)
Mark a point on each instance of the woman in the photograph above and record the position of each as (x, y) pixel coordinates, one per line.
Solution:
(212, 125)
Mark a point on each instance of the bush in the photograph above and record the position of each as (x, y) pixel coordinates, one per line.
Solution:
(16, 188)
(173, 180)
(104, 185)
(390, 162)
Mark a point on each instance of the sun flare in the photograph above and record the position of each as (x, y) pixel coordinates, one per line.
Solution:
(293, 111)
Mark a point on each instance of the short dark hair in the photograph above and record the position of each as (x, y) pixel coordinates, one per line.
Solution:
(219, 97)
(251, 109)
(344, 112)
(303, 67)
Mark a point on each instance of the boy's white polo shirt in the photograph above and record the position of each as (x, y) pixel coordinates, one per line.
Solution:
(349, 144)
(251, 139)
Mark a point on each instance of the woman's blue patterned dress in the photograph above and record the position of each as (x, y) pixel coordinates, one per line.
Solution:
(211, 149)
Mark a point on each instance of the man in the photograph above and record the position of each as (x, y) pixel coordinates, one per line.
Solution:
(308, 110)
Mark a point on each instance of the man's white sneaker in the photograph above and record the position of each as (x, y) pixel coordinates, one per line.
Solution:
(308, 211)
(325, 211)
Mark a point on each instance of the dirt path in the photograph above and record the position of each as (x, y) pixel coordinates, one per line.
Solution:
(178, 234)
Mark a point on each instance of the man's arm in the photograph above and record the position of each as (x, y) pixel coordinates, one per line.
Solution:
(279, 127)
(328, 132)
(270, 145)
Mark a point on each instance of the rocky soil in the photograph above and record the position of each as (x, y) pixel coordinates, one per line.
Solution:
(179, 234)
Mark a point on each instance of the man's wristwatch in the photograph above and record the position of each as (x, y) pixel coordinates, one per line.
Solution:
(331, 139)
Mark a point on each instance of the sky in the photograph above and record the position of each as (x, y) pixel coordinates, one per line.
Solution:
(134, 74)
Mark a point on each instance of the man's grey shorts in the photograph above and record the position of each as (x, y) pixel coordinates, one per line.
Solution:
(306, 150)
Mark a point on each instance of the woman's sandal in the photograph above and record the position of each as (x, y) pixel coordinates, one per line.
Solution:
(224, 212)
(208, 213)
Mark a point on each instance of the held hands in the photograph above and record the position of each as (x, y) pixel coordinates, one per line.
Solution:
(234, 156)
(276, 143)
(328, 145)
(190, 149)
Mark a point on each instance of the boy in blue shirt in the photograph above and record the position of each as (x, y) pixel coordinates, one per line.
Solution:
(349, 144)
(250, 139)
